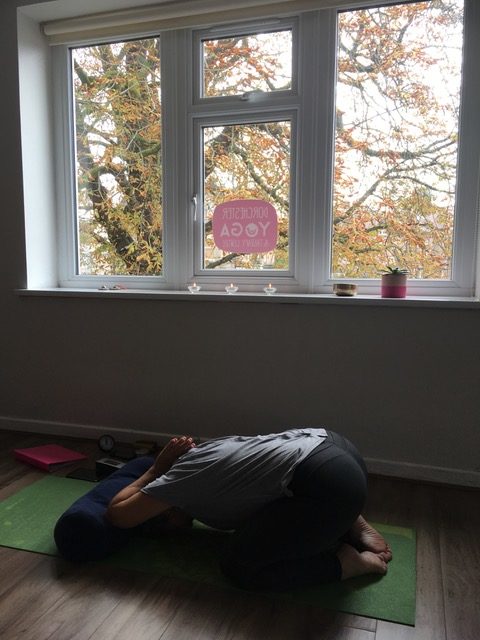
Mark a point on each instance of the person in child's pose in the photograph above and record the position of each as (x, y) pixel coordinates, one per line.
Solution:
(293, 501)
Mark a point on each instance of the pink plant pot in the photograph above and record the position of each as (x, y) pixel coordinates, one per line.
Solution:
(394, 286)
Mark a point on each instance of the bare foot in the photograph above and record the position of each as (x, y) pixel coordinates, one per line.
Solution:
(171, 452)
(365, 538)
(358, 563)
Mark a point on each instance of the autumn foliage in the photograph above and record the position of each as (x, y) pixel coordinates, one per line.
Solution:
(396, 139)
(119, 170)
(397, 104)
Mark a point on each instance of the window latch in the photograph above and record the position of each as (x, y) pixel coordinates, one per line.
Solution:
(252, 96)
(194, 203)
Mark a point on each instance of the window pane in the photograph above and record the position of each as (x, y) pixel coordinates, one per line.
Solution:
(397, 106)
(247, 162)
(116, 91)
(256, 62)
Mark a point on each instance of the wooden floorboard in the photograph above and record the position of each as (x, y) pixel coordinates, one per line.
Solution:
(415, 505)
(90, 598)
(147, 612)
(460, 559)
(24, 603)
(44, 598)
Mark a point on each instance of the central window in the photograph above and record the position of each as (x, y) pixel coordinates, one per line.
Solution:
(247, 162)
(348, 135)
(249, 62)
(247, 153)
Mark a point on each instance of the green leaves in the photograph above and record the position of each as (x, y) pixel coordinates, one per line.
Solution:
(395, 271)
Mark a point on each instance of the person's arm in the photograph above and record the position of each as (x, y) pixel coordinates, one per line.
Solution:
(130, 507)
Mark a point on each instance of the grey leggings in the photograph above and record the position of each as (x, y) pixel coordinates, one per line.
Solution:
(292, 542)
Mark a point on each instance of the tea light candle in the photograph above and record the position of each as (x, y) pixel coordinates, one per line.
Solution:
(269, 290)
(231, 288)
(194, 288)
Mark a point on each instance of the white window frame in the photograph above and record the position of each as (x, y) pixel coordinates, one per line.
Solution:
(241, 275)
(310, 104)
(241, 108)
(67, 185)
(240, 29)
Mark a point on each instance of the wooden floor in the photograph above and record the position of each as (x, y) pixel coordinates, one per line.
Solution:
(47, 598)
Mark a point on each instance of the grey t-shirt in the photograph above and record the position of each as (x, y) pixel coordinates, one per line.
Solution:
(224, 481)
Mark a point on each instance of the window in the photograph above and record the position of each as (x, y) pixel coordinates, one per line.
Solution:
(396, 141)
(248, 162)
(250, 62)
(304, 150)
(245, 156)
(117, 124)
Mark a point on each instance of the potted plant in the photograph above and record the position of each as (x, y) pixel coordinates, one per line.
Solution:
(394, 282)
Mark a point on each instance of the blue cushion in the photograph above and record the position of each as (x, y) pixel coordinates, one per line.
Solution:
(82, 533)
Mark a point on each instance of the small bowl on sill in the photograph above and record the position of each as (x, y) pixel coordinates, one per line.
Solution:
(344, 289)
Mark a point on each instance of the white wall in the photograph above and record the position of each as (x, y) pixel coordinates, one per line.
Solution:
(37, 144)
(402, 383)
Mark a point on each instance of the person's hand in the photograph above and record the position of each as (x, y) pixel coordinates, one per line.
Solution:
(171, 452)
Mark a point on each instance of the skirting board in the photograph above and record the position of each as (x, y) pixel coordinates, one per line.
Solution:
(423, 473)
(396, 469)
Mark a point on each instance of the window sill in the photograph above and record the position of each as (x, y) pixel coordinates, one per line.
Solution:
(285, 298)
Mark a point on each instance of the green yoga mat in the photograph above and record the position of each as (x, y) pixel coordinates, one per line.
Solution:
(27, 520)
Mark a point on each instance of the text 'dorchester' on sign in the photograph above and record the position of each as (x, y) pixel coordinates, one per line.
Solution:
(245, 226)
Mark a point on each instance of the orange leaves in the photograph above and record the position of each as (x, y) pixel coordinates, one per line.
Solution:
(395, 155)
(255, 62)
(247, 161)
(118, 146)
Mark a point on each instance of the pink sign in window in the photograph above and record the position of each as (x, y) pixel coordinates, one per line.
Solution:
(245, 226)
